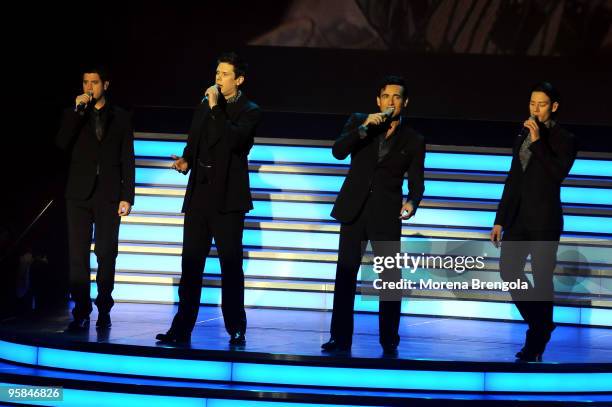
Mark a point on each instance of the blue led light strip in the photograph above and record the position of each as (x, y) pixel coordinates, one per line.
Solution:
(322, 155)
(332, 184)
(424, 216)
(270, 373)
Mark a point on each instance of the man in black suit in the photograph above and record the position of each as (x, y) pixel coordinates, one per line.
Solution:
(217, 198)
(531, 217)
(100, 190)
(369, 206)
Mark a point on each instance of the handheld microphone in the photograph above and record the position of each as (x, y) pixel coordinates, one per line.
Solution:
(81, 107)
(205, 98)
(388, 113)
(525, 131)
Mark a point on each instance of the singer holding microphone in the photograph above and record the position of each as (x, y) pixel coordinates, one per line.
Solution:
(217, 198)
(370, 207)
(529, 218)
(99, 139)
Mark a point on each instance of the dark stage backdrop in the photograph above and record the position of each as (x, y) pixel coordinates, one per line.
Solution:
(164, 56)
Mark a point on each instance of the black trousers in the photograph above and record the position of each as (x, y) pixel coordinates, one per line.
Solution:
(383, 229)
(535, 304)
(82, 216)
(202, 223)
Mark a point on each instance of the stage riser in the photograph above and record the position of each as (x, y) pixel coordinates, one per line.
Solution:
(333, 183)
(146, 293)
(424, 216)
(323, 156)
(171, 263)
(322, 376)
(580, 288)
(568, 252)
(82, 397)
(307, 172)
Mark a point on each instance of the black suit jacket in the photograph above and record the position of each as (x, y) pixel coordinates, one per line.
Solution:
(110, 160)
(407, 155)
(229, 142)
(537, 190)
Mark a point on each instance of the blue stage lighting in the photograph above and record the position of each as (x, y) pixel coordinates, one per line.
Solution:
(134, 365)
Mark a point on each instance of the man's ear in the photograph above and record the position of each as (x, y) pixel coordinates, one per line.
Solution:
(555, 106)
(406, 102)
(240, 80)
(106, 85)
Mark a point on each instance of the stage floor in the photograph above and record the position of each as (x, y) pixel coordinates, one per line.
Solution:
(301, 333)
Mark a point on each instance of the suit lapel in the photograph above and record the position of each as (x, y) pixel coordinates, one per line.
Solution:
(401, 138)
(201, 131)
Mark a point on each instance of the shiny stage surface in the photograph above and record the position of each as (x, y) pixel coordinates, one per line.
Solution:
(301, 333)
(458, 362)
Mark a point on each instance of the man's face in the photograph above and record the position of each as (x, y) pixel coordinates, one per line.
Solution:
(392, 96)
(540, 106)
(93, 84)
(226, 80)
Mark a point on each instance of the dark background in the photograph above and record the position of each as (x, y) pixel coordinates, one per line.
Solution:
(162, 58)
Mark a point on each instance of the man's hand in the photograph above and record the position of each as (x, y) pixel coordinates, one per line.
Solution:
(534, 130)
(212, 94)
(82, 99)
(179, 164)
(407, 211)
(124, 208)
(375, 118)
(496, 235)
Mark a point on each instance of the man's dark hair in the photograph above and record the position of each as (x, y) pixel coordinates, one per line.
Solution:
(393, 80)
(239, 64)
(99, 69)
(549, 90)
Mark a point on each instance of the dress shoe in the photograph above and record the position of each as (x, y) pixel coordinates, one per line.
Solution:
(78, 324)
(528, 355)
(104, 320)
(334, 345)
(529, 346)
(535, 344)
(237, 339)
(389, 349)
(174, 338)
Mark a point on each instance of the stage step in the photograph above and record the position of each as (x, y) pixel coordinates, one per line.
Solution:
(81, 389)
(291, 240)
(275, 177)
(460, 363)
(461, 216)
(317, 152)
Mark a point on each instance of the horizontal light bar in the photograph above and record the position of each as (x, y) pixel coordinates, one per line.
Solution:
(134, 365)
(18, 353)
(350, 377)
(80, 398)
(251, 237)
(253, 403)
(252, 267)
(326, 271)
(322, 155)
(332, 184)
(310, 240)
(424, 216)
(548, 382)
(212, 296)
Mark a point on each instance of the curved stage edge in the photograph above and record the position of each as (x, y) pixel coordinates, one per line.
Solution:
(294, 370)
